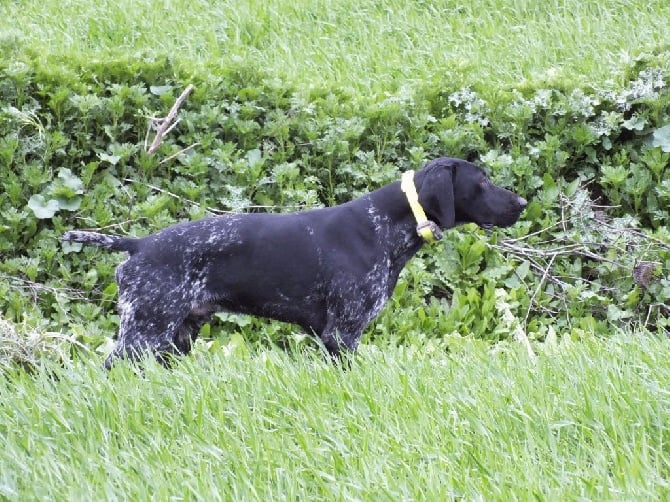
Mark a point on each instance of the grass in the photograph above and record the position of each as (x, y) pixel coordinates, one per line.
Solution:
(585, 421)
(361, 44)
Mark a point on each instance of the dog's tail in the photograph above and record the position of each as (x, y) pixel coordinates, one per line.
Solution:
(113, 242)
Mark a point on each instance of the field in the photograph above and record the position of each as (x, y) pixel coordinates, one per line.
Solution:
(369, 46)
(530, 363)
(587, 421)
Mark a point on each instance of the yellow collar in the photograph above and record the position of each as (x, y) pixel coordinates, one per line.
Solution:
(426, 229)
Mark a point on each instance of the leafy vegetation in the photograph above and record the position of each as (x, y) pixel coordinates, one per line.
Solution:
(315, 122)
(591, 161)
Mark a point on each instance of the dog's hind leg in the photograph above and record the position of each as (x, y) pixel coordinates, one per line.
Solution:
(151, 320)
(190, 328)
(341, 338)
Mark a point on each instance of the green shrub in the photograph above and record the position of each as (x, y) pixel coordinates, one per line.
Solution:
(592, 162)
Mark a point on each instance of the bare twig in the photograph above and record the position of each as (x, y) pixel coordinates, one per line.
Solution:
(637, 233)
(219, 211)
(165, 124)
(583, 231)
(36, 288)
(575, 249)
(537, 290)
(178, 197)
(164, 161)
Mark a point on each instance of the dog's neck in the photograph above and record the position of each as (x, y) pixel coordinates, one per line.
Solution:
(390, 202)
(428, 230)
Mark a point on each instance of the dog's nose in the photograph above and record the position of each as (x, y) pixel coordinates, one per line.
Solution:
(522, 202)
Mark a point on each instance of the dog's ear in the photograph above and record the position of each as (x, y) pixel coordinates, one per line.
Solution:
(436, 195)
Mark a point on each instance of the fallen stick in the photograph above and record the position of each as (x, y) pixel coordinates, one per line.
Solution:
(165, 124)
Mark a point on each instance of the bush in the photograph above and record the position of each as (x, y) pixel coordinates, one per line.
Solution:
(590, 253)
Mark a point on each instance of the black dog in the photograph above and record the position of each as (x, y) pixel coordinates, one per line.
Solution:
(328, 270)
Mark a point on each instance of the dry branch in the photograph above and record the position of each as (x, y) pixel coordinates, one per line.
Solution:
(585, 232)
(165, 161)
(165, 125)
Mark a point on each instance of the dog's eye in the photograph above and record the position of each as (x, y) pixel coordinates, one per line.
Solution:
(484, 181)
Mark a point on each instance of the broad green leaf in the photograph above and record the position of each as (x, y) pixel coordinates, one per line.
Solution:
(71, 182)
(42, 208)
(71, 247)
(661, 137)
(159, 90)
(112, 159)
(635, 123)
(254, 156)
(69, 204)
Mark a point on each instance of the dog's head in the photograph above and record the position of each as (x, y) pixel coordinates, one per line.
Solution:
(454, 192)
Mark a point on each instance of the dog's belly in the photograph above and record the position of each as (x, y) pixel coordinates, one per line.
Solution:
(308, 312)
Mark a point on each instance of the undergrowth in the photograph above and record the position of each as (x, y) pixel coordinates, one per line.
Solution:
(265, 131)
(592, 163)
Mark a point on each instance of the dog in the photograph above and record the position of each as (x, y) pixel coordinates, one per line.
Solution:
(329, 270)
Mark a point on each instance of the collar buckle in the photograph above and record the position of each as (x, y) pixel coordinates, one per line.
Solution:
(429, 231)
(426, 229)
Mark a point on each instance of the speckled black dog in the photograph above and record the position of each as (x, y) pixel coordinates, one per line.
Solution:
(328, 270)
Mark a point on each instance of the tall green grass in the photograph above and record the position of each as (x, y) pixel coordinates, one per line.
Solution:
(362, 44)
(585, 421)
